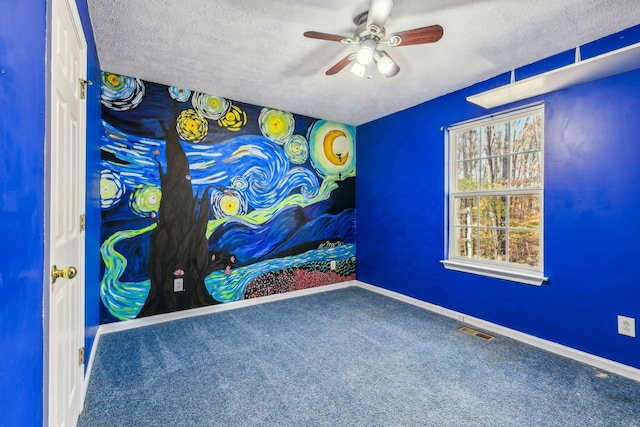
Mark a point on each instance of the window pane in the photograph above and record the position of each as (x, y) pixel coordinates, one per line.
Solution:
(496, 200)
(468, 144)
(524, 211)
(492, 244)
(526, 170)
(524, 247)
(495, 173)
(467, 242)
(495, 142)
(526, 133)
(468, 176)
(466, 211)
(493, 211)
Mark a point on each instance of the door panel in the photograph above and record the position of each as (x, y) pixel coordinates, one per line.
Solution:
(67, 195)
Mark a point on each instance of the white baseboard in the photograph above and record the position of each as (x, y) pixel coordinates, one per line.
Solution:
(562, 350)
(184, 314)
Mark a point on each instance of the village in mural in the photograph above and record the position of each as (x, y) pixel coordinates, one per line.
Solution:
(206, 200)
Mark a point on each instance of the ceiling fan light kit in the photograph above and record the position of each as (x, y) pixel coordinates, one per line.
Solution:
(385, 64)
(365, 53)
(370, 33)
(358, 69)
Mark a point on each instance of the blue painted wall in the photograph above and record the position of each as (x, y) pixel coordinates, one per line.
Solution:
(592, 154)
(23, 98)
(22, 132)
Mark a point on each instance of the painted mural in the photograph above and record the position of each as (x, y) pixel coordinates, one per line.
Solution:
(206, 200)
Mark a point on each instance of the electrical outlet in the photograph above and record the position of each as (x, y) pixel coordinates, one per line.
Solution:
(333, 265)
(178, 285)
(627, 326)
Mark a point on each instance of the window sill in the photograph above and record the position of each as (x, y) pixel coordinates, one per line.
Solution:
(528, 277)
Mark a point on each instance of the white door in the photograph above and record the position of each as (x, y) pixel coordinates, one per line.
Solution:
(67, 207)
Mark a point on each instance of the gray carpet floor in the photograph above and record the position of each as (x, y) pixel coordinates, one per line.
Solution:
(348, 357)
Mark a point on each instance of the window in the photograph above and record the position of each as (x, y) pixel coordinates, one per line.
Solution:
(496, 196)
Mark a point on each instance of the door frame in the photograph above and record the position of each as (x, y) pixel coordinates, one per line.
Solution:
(46, 297)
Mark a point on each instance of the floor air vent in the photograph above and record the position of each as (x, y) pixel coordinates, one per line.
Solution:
(473, 332)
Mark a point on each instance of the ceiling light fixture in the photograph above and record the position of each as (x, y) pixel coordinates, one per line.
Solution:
(366, 51)
(385, 64)
(358, 69)
(369, 35)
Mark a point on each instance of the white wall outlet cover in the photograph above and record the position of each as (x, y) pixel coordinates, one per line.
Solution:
(178, 285)
(333, 265)
(627, 326)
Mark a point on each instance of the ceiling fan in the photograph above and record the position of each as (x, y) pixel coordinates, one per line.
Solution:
(369, 34)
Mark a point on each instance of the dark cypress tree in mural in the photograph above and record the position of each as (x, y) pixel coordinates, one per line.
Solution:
(179, 247)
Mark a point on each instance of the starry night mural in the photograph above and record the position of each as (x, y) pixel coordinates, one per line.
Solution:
(207, 200)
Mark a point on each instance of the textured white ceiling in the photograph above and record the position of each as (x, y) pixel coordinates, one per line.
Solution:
(254, 51)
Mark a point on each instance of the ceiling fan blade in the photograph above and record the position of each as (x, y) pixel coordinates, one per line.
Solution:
(325, 36)
(379, 11)
(340, 65)
(422, 35)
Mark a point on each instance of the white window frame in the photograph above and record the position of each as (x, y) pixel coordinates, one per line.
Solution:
(498, 269)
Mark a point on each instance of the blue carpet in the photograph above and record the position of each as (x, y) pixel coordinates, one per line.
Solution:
(347, 357)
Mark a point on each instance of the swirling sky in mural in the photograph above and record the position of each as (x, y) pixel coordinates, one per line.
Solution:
(278, 186)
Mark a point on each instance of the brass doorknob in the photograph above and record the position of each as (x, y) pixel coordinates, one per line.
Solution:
(65, 273)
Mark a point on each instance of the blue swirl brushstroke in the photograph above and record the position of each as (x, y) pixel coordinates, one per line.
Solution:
(258, 161)
(340, 227)
(288, 229)
(136, 164)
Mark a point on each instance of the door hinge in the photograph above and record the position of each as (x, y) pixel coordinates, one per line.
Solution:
(81, 356)
(83, 222)
(83, 88)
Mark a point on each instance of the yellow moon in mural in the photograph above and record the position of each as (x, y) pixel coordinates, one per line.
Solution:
(329, 140)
